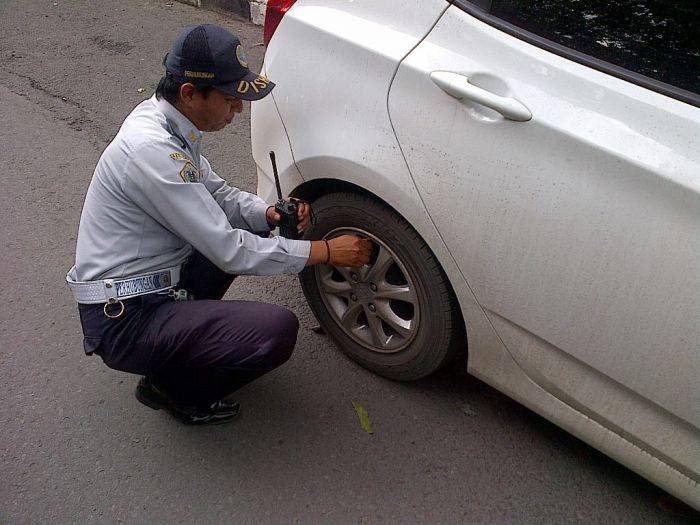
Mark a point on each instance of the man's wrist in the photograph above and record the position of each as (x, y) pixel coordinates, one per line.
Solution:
(317, 253)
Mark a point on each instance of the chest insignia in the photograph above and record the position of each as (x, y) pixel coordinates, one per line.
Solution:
(189, 173)
(179, 156)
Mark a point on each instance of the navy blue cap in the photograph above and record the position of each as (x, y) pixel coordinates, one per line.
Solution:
(209, 55)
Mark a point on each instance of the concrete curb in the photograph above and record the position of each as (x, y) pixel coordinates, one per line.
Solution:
(257, 11)
(253, 10)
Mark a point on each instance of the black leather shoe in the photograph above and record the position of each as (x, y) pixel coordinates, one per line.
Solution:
(214, 414)
(150, 396)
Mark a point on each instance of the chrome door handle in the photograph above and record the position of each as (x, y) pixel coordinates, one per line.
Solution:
(459, 87)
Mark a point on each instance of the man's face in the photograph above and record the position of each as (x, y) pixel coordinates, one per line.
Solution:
(215, 111)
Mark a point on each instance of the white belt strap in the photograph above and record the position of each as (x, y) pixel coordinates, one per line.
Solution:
(112, 290)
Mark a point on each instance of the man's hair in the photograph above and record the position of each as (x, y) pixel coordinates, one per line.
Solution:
(169, 89)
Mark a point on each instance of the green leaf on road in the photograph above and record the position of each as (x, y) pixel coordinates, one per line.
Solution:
(364, 417)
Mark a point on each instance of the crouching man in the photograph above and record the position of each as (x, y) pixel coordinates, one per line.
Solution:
(159, 227)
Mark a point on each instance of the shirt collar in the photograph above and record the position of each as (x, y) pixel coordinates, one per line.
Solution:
(181, 125)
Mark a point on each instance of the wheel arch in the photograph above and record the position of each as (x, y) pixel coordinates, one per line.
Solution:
(313, 189)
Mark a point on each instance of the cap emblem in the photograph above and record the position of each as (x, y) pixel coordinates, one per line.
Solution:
(240, 55)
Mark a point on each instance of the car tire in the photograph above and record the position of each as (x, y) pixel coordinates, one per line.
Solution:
(405, 325)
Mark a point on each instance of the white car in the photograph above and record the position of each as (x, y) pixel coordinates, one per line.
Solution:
(530, 174)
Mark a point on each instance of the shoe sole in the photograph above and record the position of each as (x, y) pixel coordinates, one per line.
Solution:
(221, 421)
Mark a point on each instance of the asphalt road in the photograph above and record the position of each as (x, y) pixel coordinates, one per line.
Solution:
(75, 446)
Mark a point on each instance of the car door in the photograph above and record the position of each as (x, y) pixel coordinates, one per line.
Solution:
(555, 146)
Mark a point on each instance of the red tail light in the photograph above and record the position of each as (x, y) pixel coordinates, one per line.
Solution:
(273, 16)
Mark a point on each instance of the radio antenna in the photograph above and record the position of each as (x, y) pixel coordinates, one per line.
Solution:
(277, 177)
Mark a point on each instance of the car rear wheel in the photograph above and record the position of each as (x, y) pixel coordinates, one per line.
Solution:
(396, 316)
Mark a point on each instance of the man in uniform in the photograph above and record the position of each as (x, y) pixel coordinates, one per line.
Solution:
(159, 226)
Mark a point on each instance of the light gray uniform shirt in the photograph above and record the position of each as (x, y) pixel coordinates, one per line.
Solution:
(153, 197)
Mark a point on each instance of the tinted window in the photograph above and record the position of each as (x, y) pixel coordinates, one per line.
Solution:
(655, 38)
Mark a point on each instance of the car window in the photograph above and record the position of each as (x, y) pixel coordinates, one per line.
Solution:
(655, 38)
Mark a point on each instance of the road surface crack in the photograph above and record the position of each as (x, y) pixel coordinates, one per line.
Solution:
(60, 106)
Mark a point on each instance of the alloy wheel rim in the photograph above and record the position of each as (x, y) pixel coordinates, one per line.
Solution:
(376, 305)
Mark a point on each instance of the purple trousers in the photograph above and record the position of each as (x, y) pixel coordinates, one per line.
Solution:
(198, 351)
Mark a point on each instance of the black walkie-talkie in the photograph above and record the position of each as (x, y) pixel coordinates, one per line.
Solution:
(286, 209)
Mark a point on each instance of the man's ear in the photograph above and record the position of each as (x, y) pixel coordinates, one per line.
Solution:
(187, 91)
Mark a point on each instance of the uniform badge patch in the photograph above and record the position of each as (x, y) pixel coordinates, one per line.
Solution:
(189, 173)
(179, 156)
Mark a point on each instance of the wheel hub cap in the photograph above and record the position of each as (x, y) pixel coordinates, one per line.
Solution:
(364, 292)
(376, 305)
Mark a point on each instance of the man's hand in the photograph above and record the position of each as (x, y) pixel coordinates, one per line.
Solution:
(347, 250)
(273, 218)
(303, 214)
(350, 250)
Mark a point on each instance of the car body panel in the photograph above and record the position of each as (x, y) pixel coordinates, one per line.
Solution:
(564, 218)
(265, 123)
(323, 110)
(328, 119)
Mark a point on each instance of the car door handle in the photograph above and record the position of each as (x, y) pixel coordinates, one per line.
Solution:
(459, 87)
